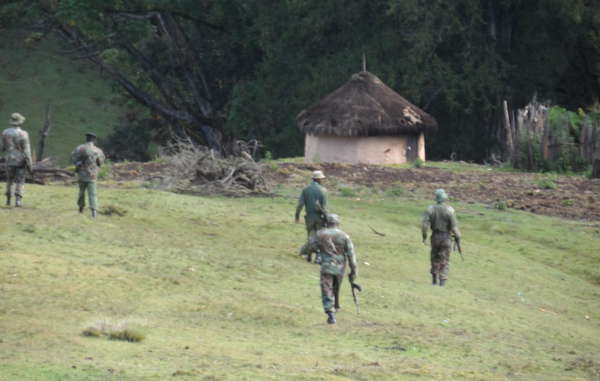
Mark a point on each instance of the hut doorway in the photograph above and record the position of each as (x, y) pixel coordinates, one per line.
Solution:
(412, 147)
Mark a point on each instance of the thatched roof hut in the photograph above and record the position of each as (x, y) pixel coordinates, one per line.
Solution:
(364, 121)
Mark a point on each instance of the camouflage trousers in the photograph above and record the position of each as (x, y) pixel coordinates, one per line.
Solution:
(441, 245)
(15, 175)
(330, 291)
(312, 224)
(90, 188)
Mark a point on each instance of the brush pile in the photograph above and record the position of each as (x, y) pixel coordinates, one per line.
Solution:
(44, 171)
(197, 169)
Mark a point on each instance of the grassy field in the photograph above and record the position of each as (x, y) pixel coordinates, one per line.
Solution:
(215, 288)
(39, 73)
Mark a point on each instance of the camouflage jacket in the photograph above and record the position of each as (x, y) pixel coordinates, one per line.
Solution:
(87, 159)
(440, 218)
(15, 145)
(308, 199)
(336, 250)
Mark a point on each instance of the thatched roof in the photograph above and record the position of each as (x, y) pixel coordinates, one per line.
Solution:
(364, 106)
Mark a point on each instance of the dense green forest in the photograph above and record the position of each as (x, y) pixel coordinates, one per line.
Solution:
(222, 70)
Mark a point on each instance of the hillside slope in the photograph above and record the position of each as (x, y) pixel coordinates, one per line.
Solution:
(217, 288)
(39, 73)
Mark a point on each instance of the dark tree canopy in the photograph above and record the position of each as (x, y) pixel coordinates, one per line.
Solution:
(226, 69)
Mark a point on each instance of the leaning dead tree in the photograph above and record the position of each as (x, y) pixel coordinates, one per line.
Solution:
(165, 65)
(198, 169)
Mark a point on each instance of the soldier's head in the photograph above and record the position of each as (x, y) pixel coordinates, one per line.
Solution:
(440, 195)
(16, 119)
(90, 137)
(333, 220)
(318, 176)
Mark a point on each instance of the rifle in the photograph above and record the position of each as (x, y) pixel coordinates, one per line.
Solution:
(356, 286)
(458, 248)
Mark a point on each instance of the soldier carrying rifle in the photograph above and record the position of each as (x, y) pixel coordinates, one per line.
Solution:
(442, 221)
(15, 145)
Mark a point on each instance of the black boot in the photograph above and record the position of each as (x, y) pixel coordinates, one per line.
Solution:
(330, 317)
(18, 202)
(93, 213)
(433, 279)
(442, 282)
(81, 209)
(7, 200)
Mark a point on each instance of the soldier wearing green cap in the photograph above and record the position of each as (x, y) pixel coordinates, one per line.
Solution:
(16, 147)
(88, 159)
(314, 199)
(336, 250)
(442, 221)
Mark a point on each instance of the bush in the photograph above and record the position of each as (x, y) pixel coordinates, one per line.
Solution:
(347, 192)
(105, 170)
(126, 334)
(501, 205)
(547, 182)
(418, 163)
(114, 331)
(396, 191)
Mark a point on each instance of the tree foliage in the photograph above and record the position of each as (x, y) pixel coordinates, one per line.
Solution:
(219, 70)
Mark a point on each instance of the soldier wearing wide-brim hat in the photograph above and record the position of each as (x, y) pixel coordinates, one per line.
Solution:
(17, 150)
(441, 219)
(314, 200)
(88, 159)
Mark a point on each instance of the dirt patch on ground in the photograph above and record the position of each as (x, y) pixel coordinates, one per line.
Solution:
(138, 171)
(573, 197)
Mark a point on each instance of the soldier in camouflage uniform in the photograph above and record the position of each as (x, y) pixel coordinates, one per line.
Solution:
(88, 159)
(442, 221)
(15, 145)
(336, 250)
(314, 199)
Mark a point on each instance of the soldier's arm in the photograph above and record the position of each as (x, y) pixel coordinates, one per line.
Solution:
(101, 158)
(299, 206)
(454, 224)
(425, 224)
(351, 255)
(27, 151)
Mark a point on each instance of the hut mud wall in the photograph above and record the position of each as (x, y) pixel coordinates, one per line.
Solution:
(364, 150)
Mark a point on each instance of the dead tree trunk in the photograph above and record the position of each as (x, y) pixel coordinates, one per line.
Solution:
(596, 168)
(510, 147)
(44, 132)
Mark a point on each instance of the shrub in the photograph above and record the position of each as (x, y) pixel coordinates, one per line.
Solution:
(396, 191)
(418, 163)
(501, 205)
(567, 202)
(347, 192)
(127, 334)
(105, 170)
(114, 331)
(547, 182)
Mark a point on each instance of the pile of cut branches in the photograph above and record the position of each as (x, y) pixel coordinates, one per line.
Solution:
(197, 169)
(44, 171)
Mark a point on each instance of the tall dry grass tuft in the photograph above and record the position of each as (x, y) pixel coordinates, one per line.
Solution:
(114, 330)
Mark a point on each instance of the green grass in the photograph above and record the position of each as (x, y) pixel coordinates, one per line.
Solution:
(40, 73)
(218, 292)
